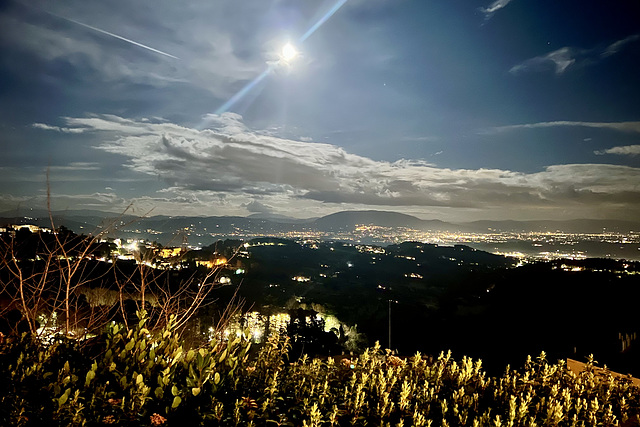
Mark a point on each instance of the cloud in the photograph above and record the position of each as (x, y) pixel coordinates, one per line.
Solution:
(71, 172)
(420, 138)
(493, 8)
(100, 45)
(625, 150)
(107, 201)
(86, 54)
(76, 166)
(231, 162)
(616, 47)
(56, 128)
(561, 59)
(628, 127)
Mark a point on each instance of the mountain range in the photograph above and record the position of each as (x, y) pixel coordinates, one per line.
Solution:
(260, 224)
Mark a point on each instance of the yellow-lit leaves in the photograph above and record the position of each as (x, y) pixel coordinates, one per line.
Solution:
(176, 401)
(65, 396)
(223, 355)
(90, 376)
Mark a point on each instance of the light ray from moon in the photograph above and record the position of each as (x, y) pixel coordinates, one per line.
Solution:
(322, 20)
(242, 92)
(289, 51)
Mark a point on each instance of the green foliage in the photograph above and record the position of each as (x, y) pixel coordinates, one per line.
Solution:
(123, 377)
(135, 377)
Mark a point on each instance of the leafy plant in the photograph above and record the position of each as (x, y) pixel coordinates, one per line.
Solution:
(134, 376)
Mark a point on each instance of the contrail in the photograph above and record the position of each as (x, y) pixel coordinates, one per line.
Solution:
(115, 35)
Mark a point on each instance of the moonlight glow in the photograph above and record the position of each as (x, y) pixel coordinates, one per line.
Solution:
(289, 52)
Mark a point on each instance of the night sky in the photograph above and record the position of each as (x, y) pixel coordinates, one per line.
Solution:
(455, 110)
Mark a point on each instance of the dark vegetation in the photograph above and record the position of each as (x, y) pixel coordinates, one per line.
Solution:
(130, 363)
(470, 301)
(134, 377)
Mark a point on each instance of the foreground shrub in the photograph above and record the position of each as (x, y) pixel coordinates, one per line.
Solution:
(134, 377)
(124, 377)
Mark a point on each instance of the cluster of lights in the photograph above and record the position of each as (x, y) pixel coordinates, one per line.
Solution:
(256, 323)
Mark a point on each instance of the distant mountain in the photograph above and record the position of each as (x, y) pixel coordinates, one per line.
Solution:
(347, 220)
(283, 219)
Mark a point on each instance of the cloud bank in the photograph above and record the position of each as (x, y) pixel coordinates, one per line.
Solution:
(228, 161)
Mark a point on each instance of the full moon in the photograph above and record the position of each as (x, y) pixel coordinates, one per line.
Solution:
(289, 52)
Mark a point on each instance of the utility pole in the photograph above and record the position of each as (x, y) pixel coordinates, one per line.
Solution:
(395, 302)
(389, 324)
